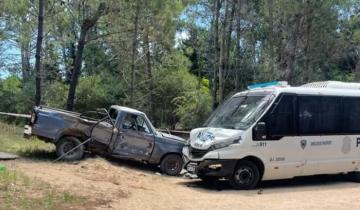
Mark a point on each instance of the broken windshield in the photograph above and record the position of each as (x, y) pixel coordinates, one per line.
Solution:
(239, 112)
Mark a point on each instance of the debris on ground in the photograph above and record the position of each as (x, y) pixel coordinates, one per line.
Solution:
(2, 167)
(7, 156)
(190, 176)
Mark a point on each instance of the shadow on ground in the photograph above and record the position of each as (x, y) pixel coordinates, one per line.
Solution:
(145, 167)
(47, 155)
(308, 183)
(38, 154)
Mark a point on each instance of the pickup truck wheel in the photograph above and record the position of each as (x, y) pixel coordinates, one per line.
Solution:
(246, 176)
(171, 165)
(66, 144)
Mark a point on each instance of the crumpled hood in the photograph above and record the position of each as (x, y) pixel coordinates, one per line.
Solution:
(203, 138)
(172, 137)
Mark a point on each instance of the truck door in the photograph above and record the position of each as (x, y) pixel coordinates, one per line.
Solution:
(136, 139)
(102, 132)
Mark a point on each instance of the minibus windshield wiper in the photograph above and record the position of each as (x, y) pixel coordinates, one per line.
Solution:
(228, 126)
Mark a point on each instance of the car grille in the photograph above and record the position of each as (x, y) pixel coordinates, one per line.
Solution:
(197, 153)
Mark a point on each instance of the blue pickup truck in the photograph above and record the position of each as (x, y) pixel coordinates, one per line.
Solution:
(120, 132)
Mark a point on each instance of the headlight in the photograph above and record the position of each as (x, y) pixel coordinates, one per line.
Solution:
(224, 144)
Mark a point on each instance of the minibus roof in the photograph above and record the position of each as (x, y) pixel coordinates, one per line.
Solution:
(327, 88)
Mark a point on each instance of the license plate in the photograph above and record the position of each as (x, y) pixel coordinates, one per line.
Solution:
(191, 167)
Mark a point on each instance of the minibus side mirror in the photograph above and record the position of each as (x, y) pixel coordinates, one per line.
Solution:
(260, 131)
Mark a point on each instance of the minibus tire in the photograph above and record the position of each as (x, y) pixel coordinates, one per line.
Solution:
(354, 176)
(246, 172)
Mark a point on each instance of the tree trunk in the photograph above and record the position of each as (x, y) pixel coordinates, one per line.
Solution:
(216, 14)
(69, 54)
(25, 61)
(227, 63)
(222, 55)
(87, 24)
(134, 49)
(76, 70)
(357, 71)
(238, 48)
(306, 72)
(38, 53)
(271, 39)
(290, 50)
(149, 75)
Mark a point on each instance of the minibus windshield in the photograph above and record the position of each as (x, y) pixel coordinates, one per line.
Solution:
(239, 112)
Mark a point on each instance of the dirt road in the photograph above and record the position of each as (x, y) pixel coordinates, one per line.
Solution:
(115, 185)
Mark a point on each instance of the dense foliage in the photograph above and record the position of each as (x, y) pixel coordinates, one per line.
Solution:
(176, 60)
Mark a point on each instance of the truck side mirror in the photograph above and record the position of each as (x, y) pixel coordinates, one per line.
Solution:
(260, 131)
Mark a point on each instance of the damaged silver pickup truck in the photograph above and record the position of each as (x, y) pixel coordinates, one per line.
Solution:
(120, 132)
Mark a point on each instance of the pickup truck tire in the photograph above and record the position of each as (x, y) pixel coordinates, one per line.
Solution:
(67, 143)
(171, 165)
(246, 175)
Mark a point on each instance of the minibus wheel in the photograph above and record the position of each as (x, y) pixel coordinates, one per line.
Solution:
(354, 176)
(246, 175)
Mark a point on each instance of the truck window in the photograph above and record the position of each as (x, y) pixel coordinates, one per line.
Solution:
(113, 113)
(142, 126)
(281, 120)
(351, 115)
(309, 114)
(136, 123)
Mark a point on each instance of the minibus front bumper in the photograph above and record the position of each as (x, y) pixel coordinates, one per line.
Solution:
(208, 165)
(216, 168)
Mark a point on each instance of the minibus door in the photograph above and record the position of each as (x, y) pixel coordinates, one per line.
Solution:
(286, 157)
(283, 147)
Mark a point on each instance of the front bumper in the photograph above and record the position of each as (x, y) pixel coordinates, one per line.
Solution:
(27, 131)
(208, 165)
(216, 168)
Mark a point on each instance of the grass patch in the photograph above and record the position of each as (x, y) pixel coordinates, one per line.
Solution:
(11, 140)
(17, 191)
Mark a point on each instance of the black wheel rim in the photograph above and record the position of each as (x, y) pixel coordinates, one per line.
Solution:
(172, 165)
(67, 146)
(244, 176)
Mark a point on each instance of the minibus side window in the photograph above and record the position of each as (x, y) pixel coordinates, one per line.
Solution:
(351, 115)
(309, 114)
(331, 119)
(281, 120)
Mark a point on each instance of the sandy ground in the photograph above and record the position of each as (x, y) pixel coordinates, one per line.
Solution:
(124, 185)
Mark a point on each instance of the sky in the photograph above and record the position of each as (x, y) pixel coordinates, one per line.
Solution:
(12, 57)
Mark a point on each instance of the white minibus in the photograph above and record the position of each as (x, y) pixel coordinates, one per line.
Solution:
(274, 131)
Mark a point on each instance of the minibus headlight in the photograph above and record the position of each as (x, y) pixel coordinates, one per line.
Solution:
(224, 144)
